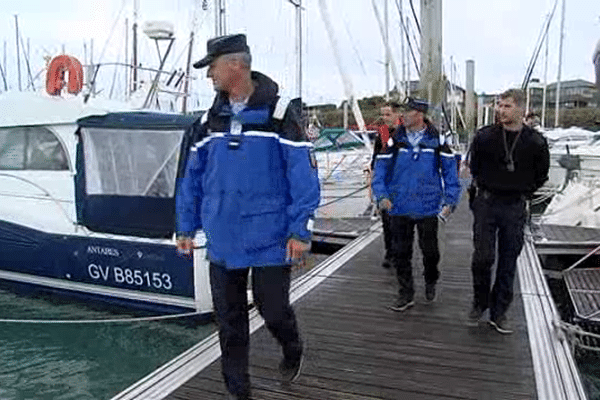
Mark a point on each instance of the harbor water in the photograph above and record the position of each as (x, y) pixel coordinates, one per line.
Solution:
(89, 360)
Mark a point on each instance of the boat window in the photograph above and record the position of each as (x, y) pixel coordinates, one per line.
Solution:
(31, 148)
(131, 162)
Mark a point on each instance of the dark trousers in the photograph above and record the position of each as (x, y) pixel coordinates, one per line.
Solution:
(505, 219)
(387, 234)
(270, 289)
(402, 233)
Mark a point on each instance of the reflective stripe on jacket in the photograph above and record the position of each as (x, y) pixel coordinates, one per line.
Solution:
(253, 191)
(418, 180)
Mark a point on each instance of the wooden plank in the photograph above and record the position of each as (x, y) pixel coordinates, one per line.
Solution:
(357, 349)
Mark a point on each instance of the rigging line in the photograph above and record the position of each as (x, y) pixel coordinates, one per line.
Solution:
(362, 65)
(3, 78)
(26, 56)
(412, 7)
(540, 42)
(112, 30)
(343, 197)
(535, 55)
(405, 30)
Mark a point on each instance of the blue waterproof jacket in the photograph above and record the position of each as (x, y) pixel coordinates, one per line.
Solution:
(251, 191)
(417, 180)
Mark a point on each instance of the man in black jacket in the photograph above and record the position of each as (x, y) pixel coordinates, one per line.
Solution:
(509, 162)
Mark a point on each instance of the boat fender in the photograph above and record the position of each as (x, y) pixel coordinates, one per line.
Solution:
(55, 77)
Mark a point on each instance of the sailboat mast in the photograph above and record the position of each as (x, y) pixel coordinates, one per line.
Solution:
(389, 60)
(545, 91)
(431, 83)
(220, 22)
(134, 45)
(18, 56)
(560, 58)
(298, 5)
(386, 38)
(347, 83)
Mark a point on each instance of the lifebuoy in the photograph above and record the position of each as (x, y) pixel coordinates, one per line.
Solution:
(55, 77)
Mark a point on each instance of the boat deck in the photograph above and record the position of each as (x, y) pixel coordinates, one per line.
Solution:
(560, 239)
(584, 289)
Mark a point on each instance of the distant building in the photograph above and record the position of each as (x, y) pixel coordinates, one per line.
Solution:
(577, 93)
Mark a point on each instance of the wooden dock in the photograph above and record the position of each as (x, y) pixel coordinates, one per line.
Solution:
(358, 349)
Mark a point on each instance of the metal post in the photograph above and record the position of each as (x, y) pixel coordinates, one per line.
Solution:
(188, 71)
(387, 50)
(135, 46)
(543, 122)
(18, 56)
(560, 58)
(431, 82)
(470, 100)
(154, 86)
(389, 61)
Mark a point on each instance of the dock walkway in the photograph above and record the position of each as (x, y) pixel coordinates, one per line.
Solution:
(356, 348)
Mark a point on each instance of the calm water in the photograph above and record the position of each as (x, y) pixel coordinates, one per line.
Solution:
(80, 362)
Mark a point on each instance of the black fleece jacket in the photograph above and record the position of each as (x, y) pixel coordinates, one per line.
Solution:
(489, 165)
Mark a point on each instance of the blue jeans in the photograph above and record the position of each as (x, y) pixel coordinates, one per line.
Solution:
(270, 289)
(403, 232)
(503, 218)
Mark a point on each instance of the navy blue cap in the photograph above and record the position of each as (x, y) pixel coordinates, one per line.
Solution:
(416, 104)
(220, 45)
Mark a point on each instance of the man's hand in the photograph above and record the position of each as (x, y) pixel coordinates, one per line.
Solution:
(185, 245)
(296, 251)
(445, 213)
(385, 204)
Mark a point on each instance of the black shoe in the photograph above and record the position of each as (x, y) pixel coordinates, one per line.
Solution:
(430, 294)
(290, 370)
(387, 264)
(501, 325)
(475, 315)
(402, 304)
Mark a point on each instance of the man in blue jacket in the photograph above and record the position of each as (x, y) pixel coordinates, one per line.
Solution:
(252, 186)
(416, 181)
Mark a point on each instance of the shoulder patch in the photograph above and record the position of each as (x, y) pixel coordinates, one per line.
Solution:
(281, 107)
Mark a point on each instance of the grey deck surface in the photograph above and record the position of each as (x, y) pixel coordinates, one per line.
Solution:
(560, 239)
(356, 348)
(584, 289)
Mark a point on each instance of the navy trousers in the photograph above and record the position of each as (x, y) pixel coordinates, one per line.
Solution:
(387, 234)
(504, 219)
(270, 289)
(402, 233)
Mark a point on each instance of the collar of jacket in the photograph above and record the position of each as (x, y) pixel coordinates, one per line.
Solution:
(265, 92)
(430, 137)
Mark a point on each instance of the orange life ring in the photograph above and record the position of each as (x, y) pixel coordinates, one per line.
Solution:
(55, 77)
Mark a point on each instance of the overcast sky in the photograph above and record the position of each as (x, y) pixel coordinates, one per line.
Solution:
(499, 35)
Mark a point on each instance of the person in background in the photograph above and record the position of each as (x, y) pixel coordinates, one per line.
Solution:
(509, 161)
(390, 115)
(532, 120)
(251, 184)
(416, 182)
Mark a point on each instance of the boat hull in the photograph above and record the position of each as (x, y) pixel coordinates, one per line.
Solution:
(137, 274)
